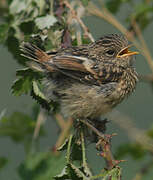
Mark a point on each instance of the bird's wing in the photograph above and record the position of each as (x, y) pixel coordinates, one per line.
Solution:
(87, 69)
(77, 67)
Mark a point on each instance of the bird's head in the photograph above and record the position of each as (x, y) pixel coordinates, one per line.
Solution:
(113, 49)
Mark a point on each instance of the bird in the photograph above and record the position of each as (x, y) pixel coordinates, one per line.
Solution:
(87, 81)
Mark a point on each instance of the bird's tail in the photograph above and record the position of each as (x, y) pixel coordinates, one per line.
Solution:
(34, 53)
(40, 57)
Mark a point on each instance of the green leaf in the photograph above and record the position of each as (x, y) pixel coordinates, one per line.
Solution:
(12, 44)
(17, 6)
(85, 2)
(76, 173)
(64, 145)
(3, 162)
(113, 5)
(41, 166)
(150, 132)
(28, 72)
(16, 126)
(22, 86)
(45, 21)
(40, 97)
(19, 127)
(114, 173)
(142, 8)
(71, 172)
(27, 28)
(76, 152)
(3, 32)
(37, 91)
(24, 83)
(63, 176)
(143, 14)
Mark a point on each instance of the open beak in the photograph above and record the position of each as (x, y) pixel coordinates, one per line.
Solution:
(126, 52)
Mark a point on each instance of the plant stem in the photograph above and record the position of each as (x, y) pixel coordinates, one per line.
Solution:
(69, 149)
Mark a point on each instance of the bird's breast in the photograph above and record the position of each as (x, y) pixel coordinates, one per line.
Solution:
(127, 83)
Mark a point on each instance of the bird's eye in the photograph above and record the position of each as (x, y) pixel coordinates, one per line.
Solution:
(110, 52)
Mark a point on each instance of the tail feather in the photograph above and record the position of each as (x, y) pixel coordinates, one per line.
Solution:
(34, 53)
(41, 58)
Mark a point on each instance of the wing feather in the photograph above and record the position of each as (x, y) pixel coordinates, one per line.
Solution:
(77, 67)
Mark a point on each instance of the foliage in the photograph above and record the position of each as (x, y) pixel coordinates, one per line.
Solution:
(3, 162)
(41, 166)
(47, 23)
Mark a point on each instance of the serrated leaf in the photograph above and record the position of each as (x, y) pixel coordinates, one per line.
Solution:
(21, 86)
(24, 83)
(28, 72)
(64, 145)
(63, 176)
(71, 172)
(76, 152)
(12, 44)
(45, 21)
(114, 173)
(76, 173)
(86, 170)
(39, 97)
(37, 91)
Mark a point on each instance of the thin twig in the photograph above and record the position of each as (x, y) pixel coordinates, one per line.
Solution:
(59, 119)
(64, 133)
(98, 133)
(143, 43)
(79, 20)
(40, 120)
(104, 144)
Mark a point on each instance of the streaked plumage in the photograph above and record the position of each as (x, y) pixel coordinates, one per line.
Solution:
(88, 80)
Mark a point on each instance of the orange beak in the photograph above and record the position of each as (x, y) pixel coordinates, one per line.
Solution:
(126, 52)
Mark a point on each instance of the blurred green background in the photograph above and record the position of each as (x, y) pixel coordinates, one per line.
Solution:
(139, 106)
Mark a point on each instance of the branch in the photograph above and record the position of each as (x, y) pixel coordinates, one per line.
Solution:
(79, 20)
(59, 119)
(145, 49)
(41, 118)
(64, 133)
(104, 145)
